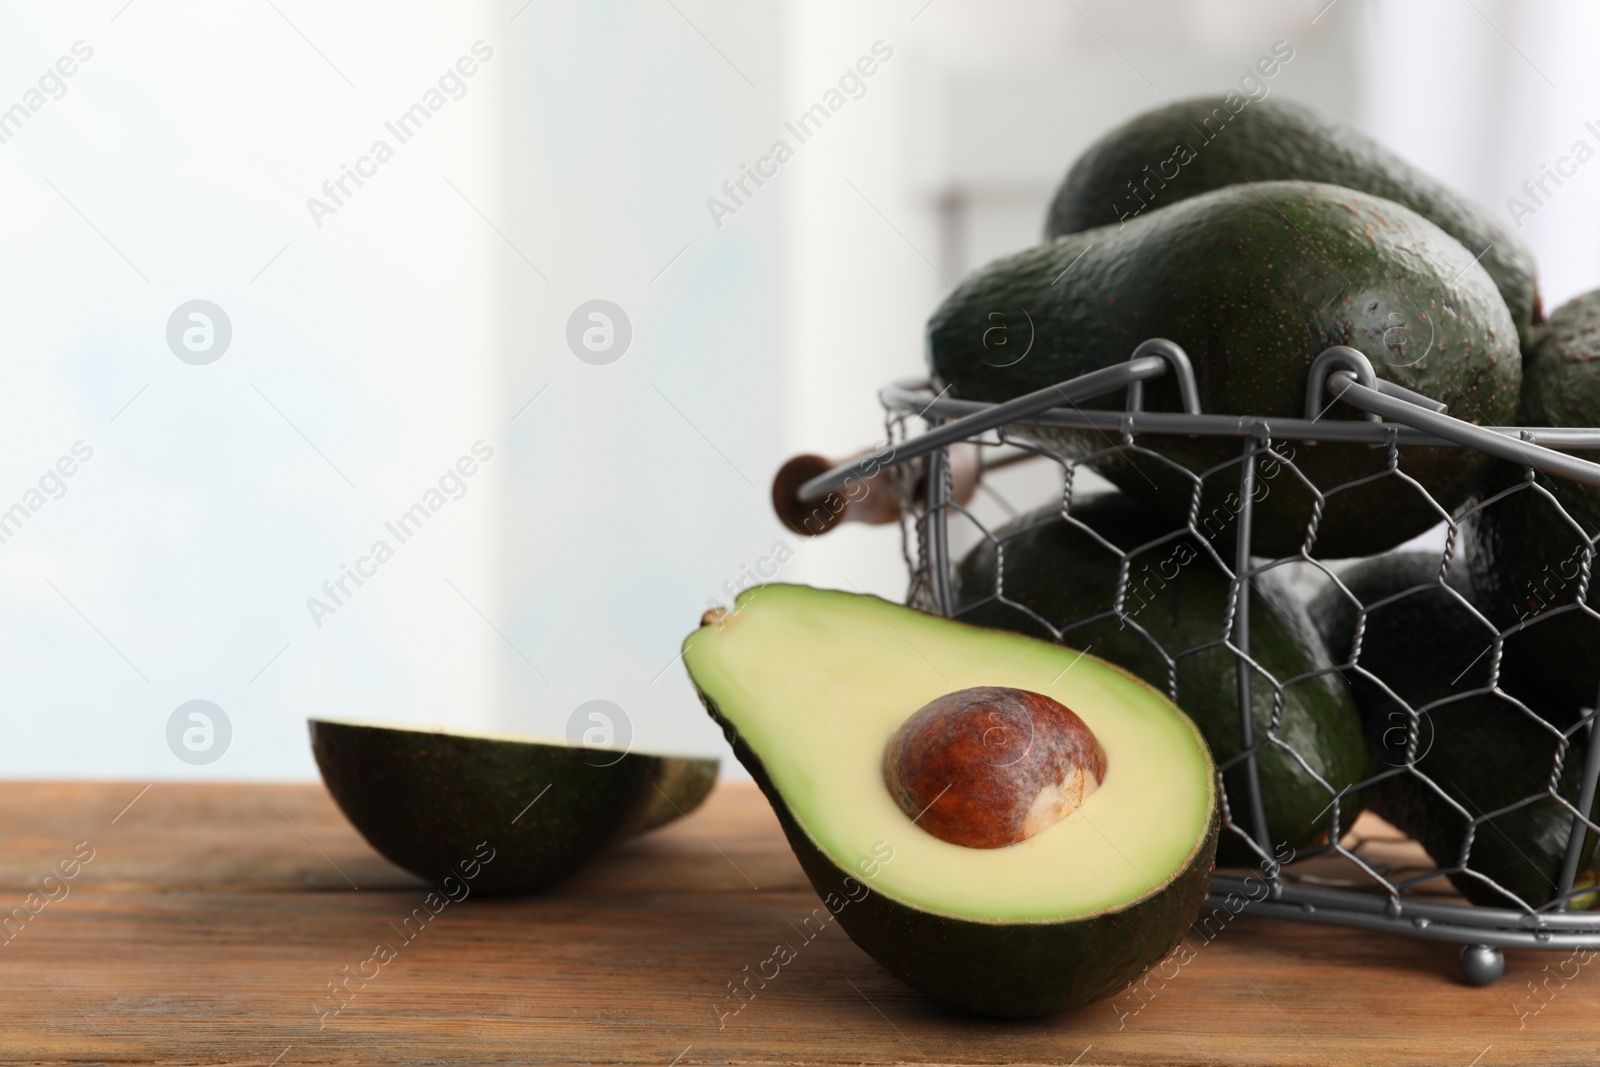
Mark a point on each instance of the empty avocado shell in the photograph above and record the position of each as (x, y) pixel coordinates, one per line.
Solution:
(431, 800)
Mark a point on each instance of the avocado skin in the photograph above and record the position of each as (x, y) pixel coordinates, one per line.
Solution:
(426, 800)
(1525, 558)
(1180, 597)
(1482, 751)
(1276, 140)
(1004, 970)
(1254, 282)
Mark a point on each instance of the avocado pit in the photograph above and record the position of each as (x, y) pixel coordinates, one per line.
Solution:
(990, 766)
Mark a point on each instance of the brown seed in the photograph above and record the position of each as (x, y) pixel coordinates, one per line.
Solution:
(989, 767)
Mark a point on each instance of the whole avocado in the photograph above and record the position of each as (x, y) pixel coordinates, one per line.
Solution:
(1254, 281)
(1194, 146)
(1527, 559)
(1176, 604)
(1450, 747)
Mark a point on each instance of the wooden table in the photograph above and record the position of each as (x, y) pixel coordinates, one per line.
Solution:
(212, 919)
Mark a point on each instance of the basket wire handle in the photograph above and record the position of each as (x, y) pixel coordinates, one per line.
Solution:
(1387, 404)
(1188, 391)
(1164, 354)
(1360, 367)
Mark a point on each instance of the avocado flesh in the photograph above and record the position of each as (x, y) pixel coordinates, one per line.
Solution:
(1275, 140)
(1527, 558)
(1254, 282)
(809, 686)
(1179, 598)
(426, 799)
(1481, 752)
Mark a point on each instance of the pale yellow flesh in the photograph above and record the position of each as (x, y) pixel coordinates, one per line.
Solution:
(817, 681)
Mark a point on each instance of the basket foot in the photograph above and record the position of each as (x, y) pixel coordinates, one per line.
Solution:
(1482, 964)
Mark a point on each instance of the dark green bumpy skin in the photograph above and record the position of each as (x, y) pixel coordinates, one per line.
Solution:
(1483, 752)
(1177, 595)
(1007, 970)
(426, 800)
(1254, 282)
(1273, 140)
(1526, 558)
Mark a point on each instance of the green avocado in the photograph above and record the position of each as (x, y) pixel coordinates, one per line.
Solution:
(1194, 146)
(811, 685)
(1527, 556)
(1470, 753)
(1254, 281)
(1175, 615)
(433, 802)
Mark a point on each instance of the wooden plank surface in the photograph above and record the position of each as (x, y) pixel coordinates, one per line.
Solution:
(211, 920)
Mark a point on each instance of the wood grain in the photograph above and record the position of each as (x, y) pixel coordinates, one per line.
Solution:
(213, 917)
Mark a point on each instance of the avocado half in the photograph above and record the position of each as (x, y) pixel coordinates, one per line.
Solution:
(1175, 616)
(430, 800)
(809, 685)
(1254, 282)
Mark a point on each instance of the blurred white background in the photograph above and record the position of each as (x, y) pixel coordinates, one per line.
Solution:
(374, 344)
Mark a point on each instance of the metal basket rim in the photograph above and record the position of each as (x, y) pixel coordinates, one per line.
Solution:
(917, 397)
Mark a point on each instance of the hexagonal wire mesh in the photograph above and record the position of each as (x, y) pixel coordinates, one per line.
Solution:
(1371, 890)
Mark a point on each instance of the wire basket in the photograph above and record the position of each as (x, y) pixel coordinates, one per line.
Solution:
(1368, 891)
